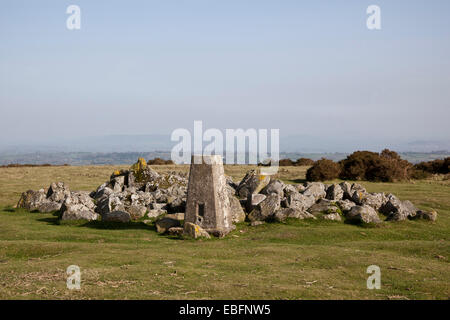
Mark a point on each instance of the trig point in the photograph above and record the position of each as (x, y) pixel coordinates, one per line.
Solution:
(208, 205)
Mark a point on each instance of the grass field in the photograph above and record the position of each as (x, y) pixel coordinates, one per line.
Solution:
(294, 260)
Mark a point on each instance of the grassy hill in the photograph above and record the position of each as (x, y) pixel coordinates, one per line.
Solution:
(294, 260)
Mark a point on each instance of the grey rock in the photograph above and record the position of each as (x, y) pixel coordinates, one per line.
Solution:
(364, 214)
(57, 192)
(237, 212)
(102, 191)
(397, 210)
(253, 200)
(158, 206)
(176, 216)
(334, 216)
(274, 186)
(284, 213)
(347, 189)
(195, 231)
(80, 197)
(136, 211)
(374, 200)
(425, 215)
(31, 200)
(315, 189)
(164, 224)
(110, 203)
(288, 189)
(266, 209)
(323, 206)
(299, 201)
(154, 213)
(345, 205)
(77, 212)
(175, 231)
(49, 206)
(118, 183)
(335, 192)
(251, 183)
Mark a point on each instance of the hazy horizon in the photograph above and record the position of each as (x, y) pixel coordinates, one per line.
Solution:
(311, 69)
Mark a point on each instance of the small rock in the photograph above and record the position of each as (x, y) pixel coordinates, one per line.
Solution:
(164, 224)
(195, 231)
(156, 213)
(175, 231)
(426, 215)
(136, 212)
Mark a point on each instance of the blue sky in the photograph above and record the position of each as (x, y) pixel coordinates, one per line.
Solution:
(146, 67)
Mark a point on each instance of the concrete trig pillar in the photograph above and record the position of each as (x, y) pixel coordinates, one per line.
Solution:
(208, 205)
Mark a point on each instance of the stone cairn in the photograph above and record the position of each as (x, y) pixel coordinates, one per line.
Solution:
(213, 203)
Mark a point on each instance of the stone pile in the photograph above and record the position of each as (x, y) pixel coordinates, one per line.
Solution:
(278, 201)
(141, 193)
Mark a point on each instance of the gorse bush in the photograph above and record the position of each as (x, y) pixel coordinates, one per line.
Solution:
(356, 165)
(290, 163)
(440, 166)
(286, 163)
(159, 162)
(386, 166)
(304, 162)
(323, 169)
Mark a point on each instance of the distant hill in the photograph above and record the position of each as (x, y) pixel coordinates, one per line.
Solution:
(99, 158)
(125, 149)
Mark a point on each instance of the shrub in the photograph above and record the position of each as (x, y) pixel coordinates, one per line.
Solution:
(159, 161)
(440, 166)
(285, 163)
(355, 166)
(304, 162)
(418, 174)
(323, 169)
(387, 166)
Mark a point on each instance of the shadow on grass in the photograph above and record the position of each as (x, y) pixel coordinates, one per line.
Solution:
(98, 224)
(54, 221)
(298, 181)
(115, 225)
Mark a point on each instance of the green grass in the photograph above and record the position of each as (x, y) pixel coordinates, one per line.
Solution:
(293, 260)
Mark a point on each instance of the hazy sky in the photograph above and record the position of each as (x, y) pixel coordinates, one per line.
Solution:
(145, 67)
